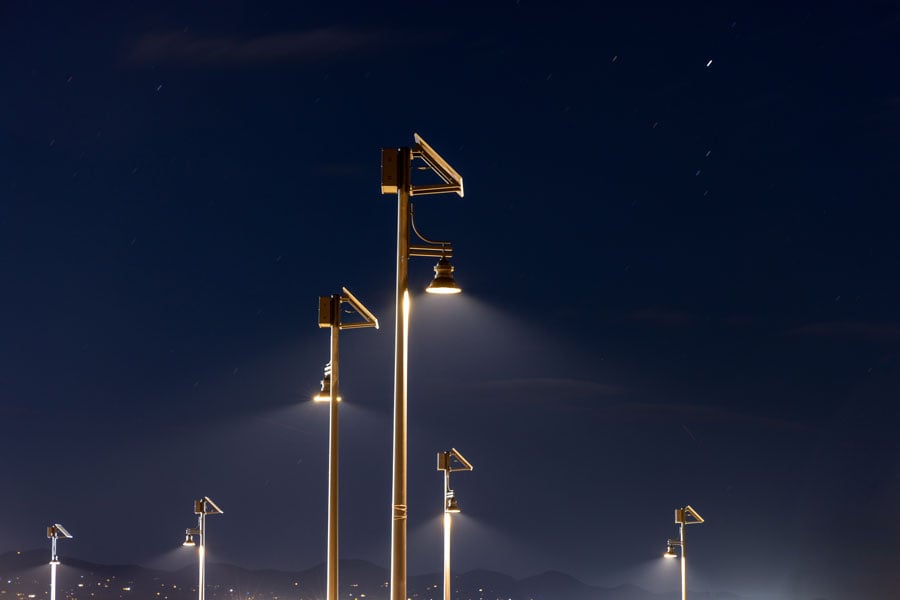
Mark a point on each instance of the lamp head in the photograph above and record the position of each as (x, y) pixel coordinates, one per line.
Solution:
(188, 540)
(670, 551)
(325, 394)
(451, 505)
(443, 282)
(55, 562)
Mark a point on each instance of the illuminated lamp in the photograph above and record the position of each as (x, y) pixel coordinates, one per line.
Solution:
(443, 282)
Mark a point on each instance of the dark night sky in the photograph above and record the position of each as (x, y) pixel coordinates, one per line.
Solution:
(681, 283)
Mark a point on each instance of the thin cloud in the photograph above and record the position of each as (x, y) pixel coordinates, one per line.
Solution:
(678, 318)
(862, 330)
(695, 412)
(538, 390)
(559, 386)
(189, 50)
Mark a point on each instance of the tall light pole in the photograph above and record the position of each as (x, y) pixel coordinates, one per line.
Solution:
(396, 177)
(54, 532)
(330, 316)
(683, 516)
(449, 462)
(202, 507)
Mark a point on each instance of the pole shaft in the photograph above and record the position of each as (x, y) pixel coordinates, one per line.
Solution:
(448, 521)
(201, 551)
(331, 584)
(683, 565)
(401, 350)
(53, 579)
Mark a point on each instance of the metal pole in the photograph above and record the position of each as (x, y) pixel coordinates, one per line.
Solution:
(201, 552)
(683, 561)
(401, 350)
(53, 576)
(448, 519)
(331, 583)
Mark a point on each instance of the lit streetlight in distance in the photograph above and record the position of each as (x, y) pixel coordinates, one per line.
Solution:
(330, 316)
(202, 507)
(54, 532)
(683, 516)
(396, 177)
(324, 394)
(449, 462)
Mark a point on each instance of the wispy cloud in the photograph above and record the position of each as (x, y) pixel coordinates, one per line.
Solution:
(669, 317)
(695, 412)
(189, 50)
(558, 386)
(862, 330)
(610, 402)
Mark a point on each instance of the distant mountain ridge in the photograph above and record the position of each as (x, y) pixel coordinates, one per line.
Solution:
(22, 572)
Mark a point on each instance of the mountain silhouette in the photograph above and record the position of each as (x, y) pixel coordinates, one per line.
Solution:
(28, 573)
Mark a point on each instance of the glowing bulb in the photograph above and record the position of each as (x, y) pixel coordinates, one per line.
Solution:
(324, 398)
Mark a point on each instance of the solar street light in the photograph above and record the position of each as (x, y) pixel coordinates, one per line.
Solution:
(330, 316)
(448, 462)
(396, 178)
(683, 516)
(54, 532)
(202, 508)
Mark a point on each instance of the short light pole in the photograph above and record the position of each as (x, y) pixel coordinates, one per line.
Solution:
(54, 532)
(683, 516)
(202, 507)
(449, 462)
(330, 316)
(396, 177)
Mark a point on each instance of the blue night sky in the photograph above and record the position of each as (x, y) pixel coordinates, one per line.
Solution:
(678, 247)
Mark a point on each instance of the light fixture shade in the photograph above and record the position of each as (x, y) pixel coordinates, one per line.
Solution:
(670, 552)
(188, 540)
(452, 505)
(325, 394)
(55, 561)
(443, 282)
